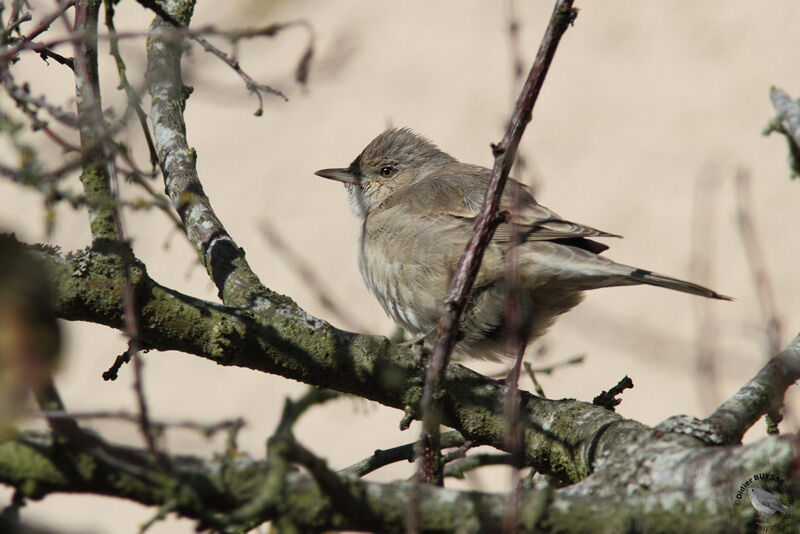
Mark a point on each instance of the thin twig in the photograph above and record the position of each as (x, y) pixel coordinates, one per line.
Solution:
(14, 22)
(549, 369)
(21, 94)
(180, 31)
(382, 458)
(546, 369)
(24, 42)
(516, 321)
(46, 53)
(202, 428)
(532, 375)
(468, 265)
(253, 86)
(521, 165)
(131, 327)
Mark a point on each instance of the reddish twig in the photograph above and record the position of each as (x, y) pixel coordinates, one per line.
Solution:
(43, 26)
(468, 265)
(253, 86)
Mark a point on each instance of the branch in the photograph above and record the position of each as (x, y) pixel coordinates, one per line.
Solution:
(210, 490)
(762, 394)
(63, 6)
(253, 86)
(94, 175)
(382, 458)
(216, 249)
(206, 429)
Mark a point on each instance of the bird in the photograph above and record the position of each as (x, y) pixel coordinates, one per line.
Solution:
(766, 503)
(417, 206)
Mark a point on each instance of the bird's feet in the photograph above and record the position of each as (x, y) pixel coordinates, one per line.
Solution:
(419, 339)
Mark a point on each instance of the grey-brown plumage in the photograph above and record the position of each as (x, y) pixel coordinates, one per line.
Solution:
(418, 205)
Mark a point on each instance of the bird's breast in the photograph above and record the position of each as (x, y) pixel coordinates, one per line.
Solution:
(396, 274)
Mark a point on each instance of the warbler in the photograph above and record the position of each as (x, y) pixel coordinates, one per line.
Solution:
(417, 206)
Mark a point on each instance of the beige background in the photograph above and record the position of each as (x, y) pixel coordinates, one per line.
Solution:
(643, 98)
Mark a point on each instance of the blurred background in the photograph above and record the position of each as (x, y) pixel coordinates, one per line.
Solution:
(649, 113)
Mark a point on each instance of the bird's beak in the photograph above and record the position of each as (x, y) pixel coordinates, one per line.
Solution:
(340, 175)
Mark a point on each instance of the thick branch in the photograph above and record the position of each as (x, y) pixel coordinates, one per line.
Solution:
(221, 256)
(94, 176)
(209, 490)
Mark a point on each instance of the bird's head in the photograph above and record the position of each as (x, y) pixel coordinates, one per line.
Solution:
(396, 158)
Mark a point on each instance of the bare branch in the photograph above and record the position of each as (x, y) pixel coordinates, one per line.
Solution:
(214, 491)
(382, 458)
(24, 42)
(253, 86)
(206, 429)
(760, 395)
(222, 258)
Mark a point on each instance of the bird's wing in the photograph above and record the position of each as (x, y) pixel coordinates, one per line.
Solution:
(461, 196)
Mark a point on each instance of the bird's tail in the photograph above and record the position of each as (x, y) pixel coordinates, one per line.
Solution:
(583, 269)
(654, 279)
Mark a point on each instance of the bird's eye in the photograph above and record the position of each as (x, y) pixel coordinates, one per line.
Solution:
(386, 170)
